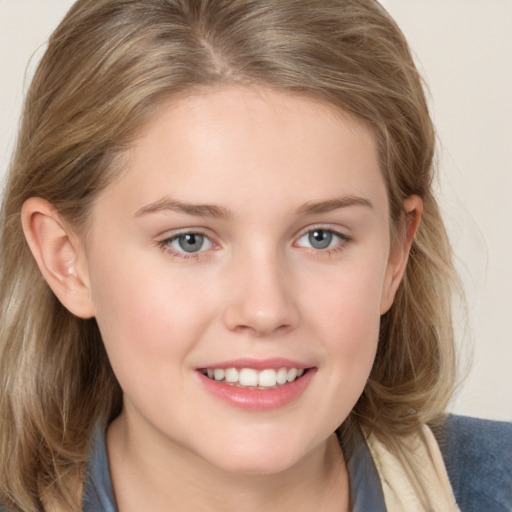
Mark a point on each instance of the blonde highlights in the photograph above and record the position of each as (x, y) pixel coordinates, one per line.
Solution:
(108, 67)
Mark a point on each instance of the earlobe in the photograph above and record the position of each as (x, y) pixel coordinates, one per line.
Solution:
(58, 254)
(399, 253)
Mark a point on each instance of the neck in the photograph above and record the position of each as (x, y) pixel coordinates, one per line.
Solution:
(145, 476)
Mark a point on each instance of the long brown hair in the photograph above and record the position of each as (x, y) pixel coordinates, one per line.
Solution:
(107, 68)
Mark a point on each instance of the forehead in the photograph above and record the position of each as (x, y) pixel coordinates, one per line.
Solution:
(241, 145)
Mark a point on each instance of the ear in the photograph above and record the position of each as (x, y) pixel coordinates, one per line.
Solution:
(59, 255)
(399, 252)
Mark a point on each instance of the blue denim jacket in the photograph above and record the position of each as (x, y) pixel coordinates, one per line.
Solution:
(478, 457)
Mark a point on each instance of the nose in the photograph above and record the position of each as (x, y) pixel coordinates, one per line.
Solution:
(262, 302)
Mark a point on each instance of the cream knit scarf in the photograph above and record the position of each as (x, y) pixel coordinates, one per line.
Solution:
(399, 494)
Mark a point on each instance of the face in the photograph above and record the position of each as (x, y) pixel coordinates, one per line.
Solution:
(238, 269)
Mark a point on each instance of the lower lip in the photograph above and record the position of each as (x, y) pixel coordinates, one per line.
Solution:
(251, 399)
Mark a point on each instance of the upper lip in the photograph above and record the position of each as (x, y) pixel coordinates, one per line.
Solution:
(258, 364)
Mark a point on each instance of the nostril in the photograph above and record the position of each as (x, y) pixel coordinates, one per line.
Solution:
(261, 308)
(262, 329)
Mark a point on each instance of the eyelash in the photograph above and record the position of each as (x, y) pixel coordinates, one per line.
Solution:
(340, 245)
(166, 244)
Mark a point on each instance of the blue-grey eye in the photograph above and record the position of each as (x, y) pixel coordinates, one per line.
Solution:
(189, 242)
(320, 238)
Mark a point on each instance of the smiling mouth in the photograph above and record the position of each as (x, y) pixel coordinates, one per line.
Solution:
(269, 378)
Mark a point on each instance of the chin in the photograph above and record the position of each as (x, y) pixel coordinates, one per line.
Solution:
(257, 466)
(258, 458)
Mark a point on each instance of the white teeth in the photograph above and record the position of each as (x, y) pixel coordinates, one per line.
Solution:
(292, 374)
(232, 375)
(282, 375)
(267, 378)
(249, 377)
(218, 374)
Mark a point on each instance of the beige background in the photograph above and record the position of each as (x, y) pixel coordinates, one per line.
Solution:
(464, 48)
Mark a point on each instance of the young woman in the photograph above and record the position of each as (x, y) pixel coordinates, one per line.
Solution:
(225, 280)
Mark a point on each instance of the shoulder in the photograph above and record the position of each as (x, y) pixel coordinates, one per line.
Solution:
(478, 457)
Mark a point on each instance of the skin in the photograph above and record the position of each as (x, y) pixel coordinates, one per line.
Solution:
(257, 288)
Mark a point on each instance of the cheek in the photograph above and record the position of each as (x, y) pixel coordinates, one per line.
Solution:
(149, 327)
(349, 302)
(146, 317)
(348, 315)
(353, 336)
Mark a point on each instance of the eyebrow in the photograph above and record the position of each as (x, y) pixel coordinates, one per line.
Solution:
(219, 212)
(198, 210)
(334, 204)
